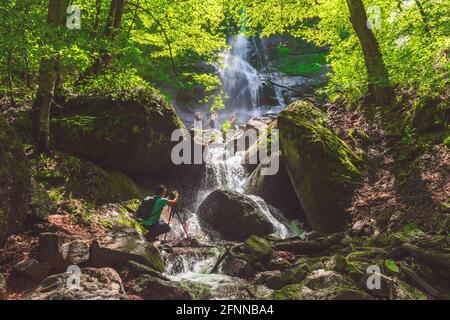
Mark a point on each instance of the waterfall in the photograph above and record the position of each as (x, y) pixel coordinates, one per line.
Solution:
(240, 81)
(243, 85)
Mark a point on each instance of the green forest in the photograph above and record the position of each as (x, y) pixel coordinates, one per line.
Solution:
(202, 150)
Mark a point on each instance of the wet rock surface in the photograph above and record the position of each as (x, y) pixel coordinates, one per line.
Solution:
(233, 215)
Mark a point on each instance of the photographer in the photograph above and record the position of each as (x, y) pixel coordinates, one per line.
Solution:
(153, 223)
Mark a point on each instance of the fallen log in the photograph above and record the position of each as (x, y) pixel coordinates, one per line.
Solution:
(310, 247)
(432, 258)
(419, 282)
(220, 259)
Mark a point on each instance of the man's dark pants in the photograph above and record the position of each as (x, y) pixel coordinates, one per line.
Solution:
(157, 229)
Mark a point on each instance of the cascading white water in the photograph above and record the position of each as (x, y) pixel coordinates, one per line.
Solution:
(240, 81)
(280, 228)
(225, 170)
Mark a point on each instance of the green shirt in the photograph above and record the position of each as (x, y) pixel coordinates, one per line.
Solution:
(158, 207)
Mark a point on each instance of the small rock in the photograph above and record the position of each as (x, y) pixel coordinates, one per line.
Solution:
(258, 248)
(340, 264)
(31, 269)
(76, 252)
(237, 267)
(278, 263)
(152, 288)
(262, 277)
(2, 285)
(321, 279)
(95, 284)
(285, 278)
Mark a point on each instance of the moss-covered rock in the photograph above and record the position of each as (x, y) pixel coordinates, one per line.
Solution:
(15, 181)
(428, 114)
(339, 263)
(321, 285)
(118, 248)
(321, 166)
(404, 291)
(287, 277)
(152, 288)
(258, 248)
(85, 180)
(132, 135)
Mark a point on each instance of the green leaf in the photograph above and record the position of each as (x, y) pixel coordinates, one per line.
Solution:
(391, 265)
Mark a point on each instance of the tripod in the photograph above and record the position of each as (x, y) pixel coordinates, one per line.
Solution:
(173, 212)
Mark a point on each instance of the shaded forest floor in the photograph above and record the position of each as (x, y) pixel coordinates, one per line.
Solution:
(407, 176)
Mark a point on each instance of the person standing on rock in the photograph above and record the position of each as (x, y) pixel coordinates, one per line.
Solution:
(153, 224)
(233, 122)
(198, 121)
(212, 121)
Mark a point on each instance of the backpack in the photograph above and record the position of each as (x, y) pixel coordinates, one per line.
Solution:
(145, 209)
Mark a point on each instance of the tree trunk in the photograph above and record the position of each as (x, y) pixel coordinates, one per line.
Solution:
(48, 74)
(423, 16)
(380, 88)
(98, 9)
(135, 15)
(113, 23)
(27, 68)
(10, 77)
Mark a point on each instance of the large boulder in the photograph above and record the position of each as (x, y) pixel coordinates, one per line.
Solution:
(131, 134)
(95, 284)
(118, 248)
(14, 181)
(233, 215)
(84, 180)
(277, 189)
(320, 165)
